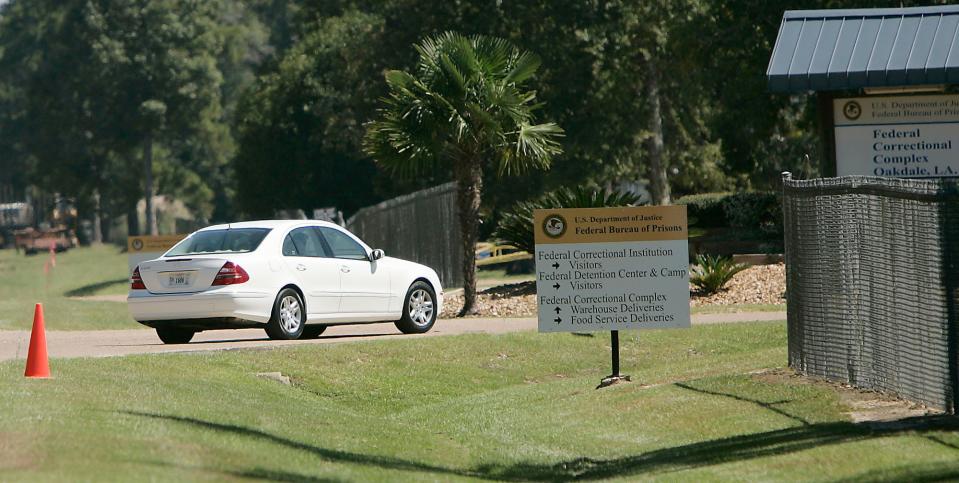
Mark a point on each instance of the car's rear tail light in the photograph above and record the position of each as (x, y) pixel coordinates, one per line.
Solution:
(136, 282)
(231, 274)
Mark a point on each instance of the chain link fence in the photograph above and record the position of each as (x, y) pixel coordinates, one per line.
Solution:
(422, 227)
(871, 283)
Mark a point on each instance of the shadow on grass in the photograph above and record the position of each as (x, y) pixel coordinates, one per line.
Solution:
(256, 473)
(688, 456)
(726, 450)
(281, 476)
(333, 455)
(771, 406)
(917, 473)
(93, 288)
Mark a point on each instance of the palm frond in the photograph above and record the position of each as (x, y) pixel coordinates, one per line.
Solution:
(397, 79)
(463, 101)
(493, 54)
(538, 142)
(516, 226)
(524, 68)
(454, 75)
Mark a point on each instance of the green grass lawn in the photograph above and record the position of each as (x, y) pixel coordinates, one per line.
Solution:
(79, 272)
(510, 407)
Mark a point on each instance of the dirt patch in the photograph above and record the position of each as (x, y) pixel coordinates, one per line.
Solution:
(17, 451)
(274, 376)
(864, 405)
(101, 298)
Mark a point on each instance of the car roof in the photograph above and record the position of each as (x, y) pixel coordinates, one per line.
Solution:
(270, 224)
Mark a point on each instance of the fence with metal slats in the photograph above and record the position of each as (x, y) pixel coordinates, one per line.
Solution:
(872, 274)
(422, 227)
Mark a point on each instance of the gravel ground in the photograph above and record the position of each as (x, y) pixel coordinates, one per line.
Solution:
(761, 284)
(509, 300)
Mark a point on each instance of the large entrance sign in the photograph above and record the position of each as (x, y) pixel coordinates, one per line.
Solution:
(897, 136)
(612, 268)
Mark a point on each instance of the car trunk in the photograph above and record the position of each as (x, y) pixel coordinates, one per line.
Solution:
(180, 274)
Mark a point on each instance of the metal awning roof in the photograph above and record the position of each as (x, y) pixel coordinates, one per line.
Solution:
(876, 47)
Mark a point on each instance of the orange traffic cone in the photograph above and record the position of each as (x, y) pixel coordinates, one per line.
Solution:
(37, 364)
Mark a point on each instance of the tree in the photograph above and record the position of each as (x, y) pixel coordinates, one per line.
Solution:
(102, 83)
(650, 81)
(156, 61)
(464, 107)
(304, 121)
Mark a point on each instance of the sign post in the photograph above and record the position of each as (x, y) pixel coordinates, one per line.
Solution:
(600, 269)
(614, 347)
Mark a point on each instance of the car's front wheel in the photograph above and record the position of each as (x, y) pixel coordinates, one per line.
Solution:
(174, 335)
(289, 316)
(419, 309)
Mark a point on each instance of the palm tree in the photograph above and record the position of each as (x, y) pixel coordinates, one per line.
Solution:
(465, 108)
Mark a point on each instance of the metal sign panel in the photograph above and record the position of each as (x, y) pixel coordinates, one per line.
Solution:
(612, 268)
(897, 136)
(143, 248)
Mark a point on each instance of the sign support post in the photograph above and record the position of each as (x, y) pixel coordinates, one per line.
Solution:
(611, 269)
(615, 377)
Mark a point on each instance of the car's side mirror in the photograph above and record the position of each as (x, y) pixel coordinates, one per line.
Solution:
(377, 254)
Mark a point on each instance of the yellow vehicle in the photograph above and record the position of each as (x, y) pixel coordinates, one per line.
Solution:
(494, 254)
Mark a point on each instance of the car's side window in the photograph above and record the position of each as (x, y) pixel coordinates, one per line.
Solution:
(289, 248)
(304, 242)
(342, 245)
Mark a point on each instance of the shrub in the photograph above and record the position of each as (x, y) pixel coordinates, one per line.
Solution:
(760, 210)
(516, 226)
(754, 209)
(712, 273)
(706, 209)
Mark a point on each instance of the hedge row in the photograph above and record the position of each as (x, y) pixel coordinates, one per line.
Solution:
(760, 210)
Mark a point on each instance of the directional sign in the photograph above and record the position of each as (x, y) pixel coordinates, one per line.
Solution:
(143, 248)
(612, 268)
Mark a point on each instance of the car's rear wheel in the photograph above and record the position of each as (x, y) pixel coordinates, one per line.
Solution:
(175, 335)
(419, 309)
(289, 316)
(313, 331)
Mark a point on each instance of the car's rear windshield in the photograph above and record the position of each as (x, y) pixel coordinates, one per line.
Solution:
(230, 240)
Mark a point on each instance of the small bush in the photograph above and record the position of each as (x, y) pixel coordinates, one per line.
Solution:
(754, 209)
(706, 209)
(712, 273)
(759, 210)
(516, 226)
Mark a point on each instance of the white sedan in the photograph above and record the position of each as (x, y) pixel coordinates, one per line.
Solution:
(290, 277)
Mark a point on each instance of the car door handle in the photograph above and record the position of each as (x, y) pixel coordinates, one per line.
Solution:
(344, 269)
(301, 267)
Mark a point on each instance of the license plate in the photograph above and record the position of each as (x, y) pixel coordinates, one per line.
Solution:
(177, 279)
